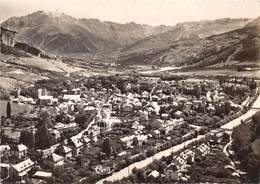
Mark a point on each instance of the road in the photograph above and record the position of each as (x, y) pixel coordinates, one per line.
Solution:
(143, 163)
(255, 108)
(80, 134)
(126, 171)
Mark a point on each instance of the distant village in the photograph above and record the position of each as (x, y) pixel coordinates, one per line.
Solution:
(79, 124)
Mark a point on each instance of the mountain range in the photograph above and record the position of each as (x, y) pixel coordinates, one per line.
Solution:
(61, 33)
(235, 42)
(199, 43)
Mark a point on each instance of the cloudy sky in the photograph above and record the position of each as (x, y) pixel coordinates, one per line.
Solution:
(154, 12)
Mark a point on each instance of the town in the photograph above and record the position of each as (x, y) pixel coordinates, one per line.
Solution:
(84, 129)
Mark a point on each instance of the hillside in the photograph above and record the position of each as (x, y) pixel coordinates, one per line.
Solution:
(187, 31)
(238, 45)
(62, 33)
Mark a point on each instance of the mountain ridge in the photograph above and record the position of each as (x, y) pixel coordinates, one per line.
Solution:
(239, 45)
(46, 31)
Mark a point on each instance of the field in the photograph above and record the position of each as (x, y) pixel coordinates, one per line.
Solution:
(45, 64)
(16, 108)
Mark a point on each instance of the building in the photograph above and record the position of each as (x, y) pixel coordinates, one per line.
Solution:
(76, 145)
(105, 114)
(136, 125)
(142, 139)
(127, 107)
(171, 172)
(5, 170)
(155, 98)
(12, 134)
(145, 95)
(153, 175)
(65, 151)
(94, 130)
(62, 126)
(56, 134)
(156, 134)
(5, 150)
(76, 91)
(46, 152)
(89, 110)
(20, 171)
(216, 135)
(44, 98)
(144, 115)
(188, 106)
(169, 125)
(20, 151)
(42, 175)
(54, 160)
(178, 114)
(128, 140)
(75, 98)
(165, 116)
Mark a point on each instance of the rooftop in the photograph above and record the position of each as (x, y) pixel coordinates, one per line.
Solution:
(23, 165)
(43, 174)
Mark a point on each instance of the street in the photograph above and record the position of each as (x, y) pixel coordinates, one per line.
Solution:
(141, 164)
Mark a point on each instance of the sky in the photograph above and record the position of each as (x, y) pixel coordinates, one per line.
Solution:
(153, 12)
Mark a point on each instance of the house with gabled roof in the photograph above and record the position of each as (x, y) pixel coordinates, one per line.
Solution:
(64, 151)
(76, 144)
(20, 171)
(153, 175)
(20, 151)
(54, 160)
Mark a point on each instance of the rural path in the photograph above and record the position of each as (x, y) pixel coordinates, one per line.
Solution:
(232, 55)
(227, 153)
(143, 163)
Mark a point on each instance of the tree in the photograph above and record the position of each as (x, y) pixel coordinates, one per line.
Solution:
(64, 175)
(45, 119)
(227, 107)
(63, 118)
(201, 108)
(198, 91)
(106, 146)
(27, 139)
(135, 141)
(141, 176)
(8, 109)
(43, 137)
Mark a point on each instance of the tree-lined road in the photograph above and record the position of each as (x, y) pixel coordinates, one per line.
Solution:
(143, 163)
(255, 108)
